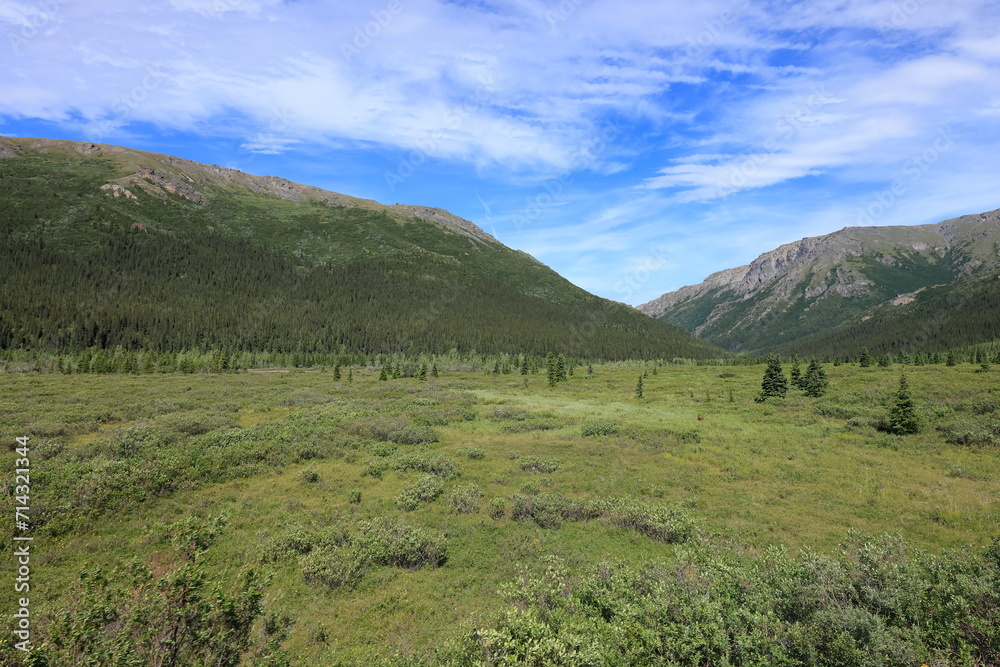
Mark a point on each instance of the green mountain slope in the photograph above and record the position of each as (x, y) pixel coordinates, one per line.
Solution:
(105, 246)
(919, 288)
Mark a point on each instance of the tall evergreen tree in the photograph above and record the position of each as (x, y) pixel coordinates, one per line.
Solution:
(336, 373)
(383, 375)
(524, 364)
(815, 383)
(774, 384)
(951, 360)
(422, 374)
(638, 388)
(795, 375)
(903, 419)
(866, 359)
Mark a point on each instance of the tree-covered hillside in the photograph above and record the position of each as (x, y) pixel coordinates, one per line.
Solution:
(104, 247)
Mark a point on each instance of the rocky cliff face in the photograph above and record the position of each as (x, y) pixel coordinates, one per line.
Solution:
(856, 268)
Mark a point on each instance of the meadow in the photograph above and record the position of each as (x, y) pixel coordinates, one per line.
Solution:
(480, 518)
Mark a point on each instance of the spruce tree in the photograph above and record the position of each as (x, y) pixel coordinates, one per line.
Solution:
(422, 375)
(815, 383)
(950, 361)
(336, 373)
(638, 388)
(866, 359)
(434, 369)
(775, 383)
(903, 418)
(524, 364)
(560, 368)
(350, 375)
(382, 375)
(396, 372)
(551, 372)
(795, 375)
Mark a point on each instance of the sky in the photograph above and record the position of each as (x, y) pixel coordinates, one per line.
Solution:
(633, 146)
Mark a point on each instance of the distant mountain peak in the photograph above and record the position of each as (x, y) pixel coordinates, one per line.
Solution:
(790, 292)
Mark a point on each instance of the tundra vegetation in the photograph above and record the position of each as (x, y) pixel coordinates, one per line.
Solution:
(545, 514)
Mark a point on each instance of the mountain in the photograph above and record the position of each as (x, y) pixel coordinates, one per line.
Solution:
(903, 288)
(103, 246)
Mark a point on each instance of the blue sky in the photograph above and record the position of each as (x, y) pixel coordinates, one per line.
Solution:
(633, 146)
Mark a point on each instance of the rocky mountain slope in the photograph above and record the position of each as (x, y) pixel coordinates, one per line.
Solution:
(103, 246)
(820, 287)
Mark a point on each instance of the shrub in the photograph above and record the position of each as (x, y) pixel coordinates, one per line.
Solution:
(538, 463)
(598, 428)
(473, 453)
(465, 499)
(423, 462)
(309, 475)
(399, 545)
(354, 497)
(373, 469)
(512, 414)
(333, 568)
(498, 509)
(424, 490)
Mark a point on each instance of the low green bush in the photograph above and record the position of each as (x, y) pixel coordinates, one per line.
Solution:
(424, 490)
(465, 499)
(598, 428)
(538, 463)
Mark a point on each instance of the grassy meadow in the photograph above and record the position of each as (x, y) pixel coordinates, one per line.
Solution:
(485, 478)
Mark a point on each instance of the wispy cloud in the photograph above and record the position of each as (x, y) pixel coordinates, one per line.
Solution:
(721, 105)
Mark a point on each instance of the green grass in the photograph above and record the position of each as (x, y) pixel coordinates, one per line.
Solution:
(797, 472)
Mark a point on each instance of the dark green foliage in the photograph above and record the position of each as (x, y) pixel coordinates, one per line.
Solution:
(774, 384)
(336, 373)
(539, 463)
(874, 602)
(80, 269)
(638, 388)
(815, 383)
(465, 499)
(795, 375)
(903, 419)
(598, 428)
(134, 616)
(382, 375)
(951, 360)
(424, 490)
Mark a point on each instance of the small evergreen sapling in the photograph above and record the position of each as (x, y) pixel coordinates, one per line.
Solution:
(775, 384)
(815, 383)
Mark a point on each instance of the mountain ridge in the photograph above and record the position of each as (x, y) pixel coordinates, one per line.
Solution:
(104, 246)
(849, 267)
